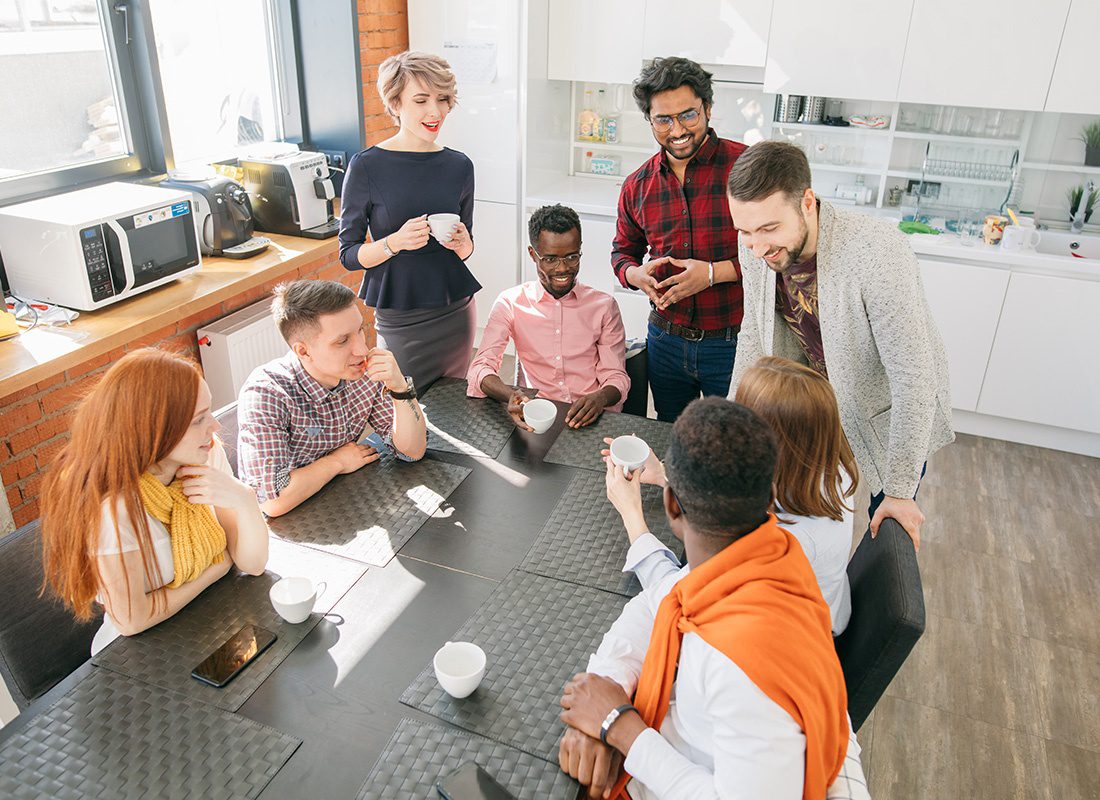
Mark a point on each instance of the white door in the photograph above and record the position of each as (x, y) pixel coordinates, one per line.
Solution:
(838, 48)
(481, 42)
(975, 54)
(733, 32)
(597, 42)
(1075, 87)
(1044, 367)
(966, 304)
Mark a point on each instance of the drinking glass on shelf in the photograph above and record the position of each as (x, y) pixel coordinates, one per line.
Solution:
(969, 227)
(926, 118)
(1013, 124)
(910, 117)
(994, 119)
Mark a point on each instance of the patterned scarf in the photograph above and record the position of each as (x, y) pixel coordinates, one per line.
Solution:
(197, 539)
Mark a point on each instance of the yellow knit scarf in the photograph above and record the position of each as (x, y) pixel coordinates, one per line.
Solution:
(197, 539)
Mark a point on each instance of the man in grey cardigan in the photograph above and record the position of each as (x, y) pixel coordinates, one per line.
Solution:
(841, 292)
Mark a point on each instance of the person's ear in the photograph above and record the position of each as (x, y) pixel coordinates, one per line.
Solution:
(300, 349)
(809, 202)
(534, 256)
(673, 509)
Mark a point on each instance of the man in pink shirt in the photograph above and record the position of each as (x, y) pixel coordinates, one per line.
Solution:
(569, 337)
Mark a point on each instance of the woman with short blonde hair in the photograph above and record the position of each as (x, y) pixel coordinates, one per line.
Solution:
(416, 281)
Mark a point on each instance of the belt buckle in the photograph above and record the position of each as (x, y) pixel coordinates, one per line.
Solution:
(692, 334)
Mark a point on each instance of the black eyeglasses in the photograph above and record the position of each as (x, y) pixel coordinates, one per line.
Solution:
(663, 122)
(676, 497)
(552, 261)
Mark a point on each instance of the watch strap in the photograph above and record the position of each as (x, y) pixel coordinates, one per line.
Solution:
(408, 394)
(386, 247)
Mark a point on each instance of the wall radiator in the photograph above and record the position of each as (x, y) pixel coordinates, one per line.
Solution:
(234, 345)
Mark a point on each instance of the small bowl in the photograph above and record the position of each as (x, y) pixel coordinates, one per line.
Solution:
(459, 668)
(540, 414)
(629, 452)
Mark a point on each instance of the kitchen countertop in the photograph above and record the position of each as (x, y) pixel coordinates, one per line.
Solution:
(45, 351)
(948, 246)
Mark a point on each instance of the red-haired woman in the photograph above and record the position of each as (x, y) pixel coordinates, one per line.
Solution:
(141, 511)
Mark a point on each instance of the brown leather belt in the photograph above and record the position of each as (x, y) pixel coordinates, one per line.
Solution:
(692, 334)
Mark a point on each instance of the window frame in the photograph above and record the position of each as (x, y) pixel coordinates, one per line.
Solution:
(134, 65)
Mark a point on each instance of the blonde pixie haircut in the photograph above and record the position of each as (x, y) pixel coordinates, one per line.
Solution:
(396, 71)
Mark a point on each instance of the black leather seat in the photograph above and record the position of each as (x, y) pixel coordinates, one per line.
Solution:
(227, 416)
(637, 399)
(887, 616)
(40, 640)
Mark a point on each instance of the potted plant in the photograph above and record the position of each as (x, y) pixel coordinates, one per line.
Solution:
(1090, 135)
(1075, 195)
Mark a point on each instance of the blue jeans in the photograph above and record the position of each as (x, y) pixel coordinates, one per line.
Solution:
(679, 370)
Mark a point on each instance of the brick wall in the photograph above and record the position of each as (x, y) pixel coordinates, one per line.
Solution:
(383, 31)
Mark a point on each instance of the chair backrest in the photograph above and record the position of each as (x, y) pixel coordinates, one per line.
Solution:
(637, 399)
(227, 416)
(887, 616)
(40, 640)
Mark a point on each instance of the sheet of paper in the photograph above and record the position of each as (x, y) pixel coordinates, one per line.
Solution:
(472, 61)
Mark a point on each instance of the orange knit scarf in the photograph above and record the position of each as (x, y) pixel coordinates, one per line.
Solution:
(757, 602)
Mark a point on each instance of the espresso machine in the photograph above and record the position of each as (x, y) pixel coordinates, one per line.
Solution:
(223, 215)
(291, 193)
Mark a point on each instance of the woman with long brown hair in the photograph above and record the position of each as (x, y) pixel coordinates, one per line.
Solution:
(815, 479)
(141, 511)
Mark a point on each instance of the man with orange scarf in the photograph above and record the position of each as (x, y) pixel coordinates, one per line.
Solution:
(737, 690)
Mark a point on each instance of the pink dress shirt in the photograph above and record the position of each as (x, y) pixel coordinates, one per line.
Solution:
(568, 348)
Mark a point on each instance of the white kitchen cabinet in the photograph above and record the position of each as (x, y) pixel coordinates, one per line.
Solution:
(976, 54)
(1075, 87)
(966, 303)
(732, 32)
(598, 42)
(1044, 367)
(838, 48)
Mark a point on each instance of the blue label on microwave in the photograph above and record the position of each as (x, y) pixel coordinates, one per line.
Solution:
(180, 208)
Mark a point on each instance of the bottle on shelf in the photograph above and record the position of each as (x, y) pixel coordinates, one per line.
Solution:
(610, 114)
(586, 165)
(588, 122)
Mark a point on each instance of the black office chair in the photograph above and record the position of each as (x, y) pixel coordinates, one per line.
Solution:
(40, 640)
(227, 416)
(637, 399)
(887, 616)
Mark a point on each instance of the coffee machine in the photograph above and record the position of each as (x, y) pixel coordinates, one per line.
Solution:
(291, 193)
(223, 215)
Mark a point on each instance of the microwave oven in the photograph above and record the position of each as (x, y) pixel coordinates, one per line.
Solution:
(93, 247)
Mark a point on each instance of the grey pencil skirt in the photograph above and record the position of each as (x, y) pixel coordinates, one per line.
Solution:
(430, 343)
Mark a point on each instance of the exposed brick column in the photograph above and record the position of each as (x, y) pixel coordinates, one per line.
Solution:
(383, 32)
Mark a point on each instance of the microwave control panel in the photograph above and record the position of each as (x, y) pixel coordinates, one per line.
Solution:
(95, 260)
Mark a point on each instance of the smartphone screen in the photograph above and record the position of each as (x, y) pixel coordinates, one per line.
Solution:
(471, 782)
(223, 664)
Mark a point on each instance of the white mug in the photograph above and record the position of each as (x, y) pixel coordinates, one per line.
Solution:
(442, 226)
(1018, 238)
(540, 414)
(459, 668)
(293, 598)
(629, 452)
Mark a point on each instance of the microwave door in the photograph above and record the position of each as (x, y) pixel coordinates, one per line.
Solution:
(119, 249)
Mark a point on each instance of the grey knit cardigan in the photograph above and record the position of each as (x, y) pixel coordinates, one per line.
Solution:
(885, 358)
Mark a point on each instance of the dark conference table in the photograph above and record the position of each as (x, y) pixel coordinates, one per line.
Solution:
(338, 690)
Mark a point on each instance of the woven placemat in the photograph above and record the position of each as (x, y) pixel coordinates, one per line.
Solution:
(165, 654)
(537, 633)
(369, 514)
(111, 736)
(584, 540)
(461, 424)
(581, 447)
(419, 754)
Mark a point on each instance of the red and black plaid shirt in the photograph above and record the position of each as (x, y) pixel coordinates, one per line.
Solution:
(690, 220)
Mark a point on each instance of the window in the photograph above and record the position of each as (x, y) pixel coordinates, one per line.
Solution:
(100, 89)
(60, 91)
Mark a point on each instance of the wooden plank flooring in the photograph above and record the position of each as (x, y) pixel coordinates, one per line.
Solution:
(1001, 697)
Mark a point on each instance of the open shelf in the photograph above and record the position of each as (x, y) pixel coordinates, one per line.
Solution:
(957, 139)
(864, 169)
(1079, 169)
(821, 128)
(616, 148)
(929, 178)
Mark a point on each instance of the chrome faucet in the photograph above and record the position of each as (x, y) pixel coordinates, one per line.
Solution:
(1077, 224)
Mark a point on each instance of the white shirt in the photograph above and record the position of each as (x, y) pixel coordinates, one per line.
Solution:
(722, 737)
(826, 543)
(124, 540)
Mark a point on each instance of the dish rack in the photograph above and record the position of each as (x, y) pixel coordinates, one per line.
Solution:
(982, 172)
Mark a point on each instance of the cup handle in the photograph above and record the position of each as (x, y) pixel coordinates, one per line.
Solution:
(1036, 238)
(322, 587)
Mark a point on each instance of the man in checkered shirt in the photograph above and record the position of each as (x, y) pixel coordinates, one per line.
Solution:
(674, 208)
(303, 417)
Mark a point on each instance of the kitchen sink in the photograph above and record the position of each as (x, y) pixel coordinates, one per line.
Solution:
(1064, 243)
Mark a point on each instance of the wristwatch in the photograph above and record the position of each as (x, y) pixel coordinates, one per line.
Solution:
(613, 715)
(408, 394)
(386, 247)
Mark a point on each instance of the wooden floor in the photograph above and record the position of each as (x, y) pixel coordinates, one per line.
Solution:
(1001, 696)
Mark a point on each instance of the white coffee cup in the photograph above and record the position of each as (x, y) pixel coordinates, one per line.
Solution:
(293, 598)
(442, 226)
(540, 414)
(1018, 238)
(459, 668)
(629, 452)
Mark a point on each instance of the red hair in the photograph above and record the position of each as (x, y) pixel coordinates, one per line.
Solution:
(133, 418)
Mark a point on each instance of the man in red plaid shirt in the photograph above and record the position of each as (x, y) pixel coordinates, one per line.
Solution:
(674, 208)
